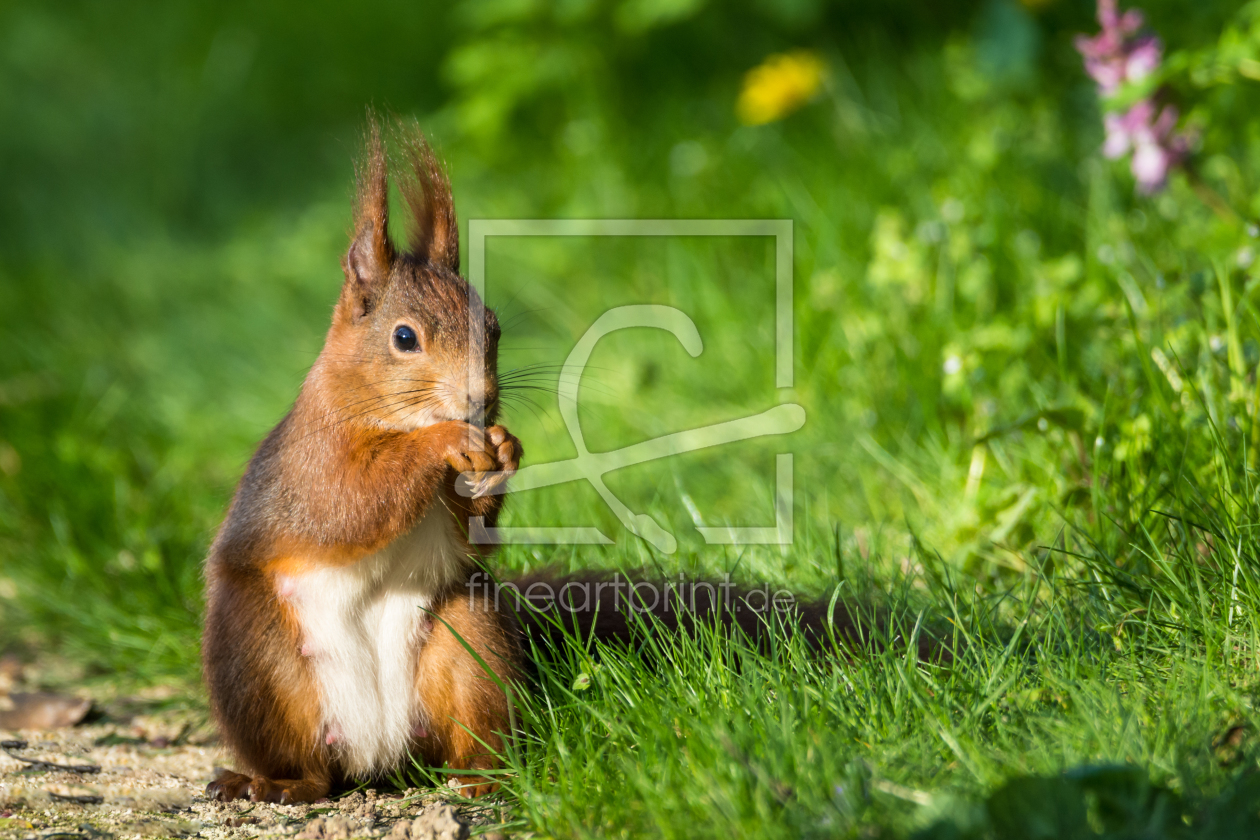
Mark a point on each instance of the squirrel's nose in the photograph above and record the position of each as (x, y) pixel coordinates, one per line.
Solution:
(472, 400)
(475, 409)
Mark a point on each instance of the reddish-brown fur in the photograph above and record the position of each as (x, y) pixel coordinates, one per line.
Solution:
(468, 707)
(346, 473)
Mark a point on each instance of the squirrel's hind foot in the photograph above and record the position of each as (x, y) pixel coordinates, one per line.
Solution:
(231, 786)
(228, 786)
(474, 787)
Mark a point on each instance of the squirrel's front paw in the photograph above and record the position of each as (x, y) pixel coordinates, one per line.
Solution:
(508, 452)
(484, 458)
(507, 449)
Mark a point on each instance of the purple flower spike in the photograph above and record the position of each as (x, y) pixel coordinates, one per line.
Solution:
(1116, 56)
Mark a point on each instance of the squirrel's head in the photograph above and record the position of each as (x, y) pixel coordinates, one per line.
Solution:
(411, 341)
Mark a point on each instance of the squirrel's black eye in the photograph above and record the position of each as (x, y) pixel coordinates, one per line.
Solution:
(405, 338)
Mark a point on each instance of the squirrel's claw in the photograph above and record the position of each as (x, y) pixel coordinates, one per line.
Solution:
(485, 485)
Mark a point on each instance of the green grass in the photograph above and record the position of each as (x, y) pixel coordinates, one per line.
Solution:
(1032, 406)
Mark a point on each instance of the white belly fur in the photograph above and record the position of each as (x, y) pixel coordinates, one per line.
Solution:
(362, 628)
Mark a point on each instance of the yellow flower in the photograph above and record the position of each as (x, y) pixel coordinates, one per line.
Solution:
(778, 86)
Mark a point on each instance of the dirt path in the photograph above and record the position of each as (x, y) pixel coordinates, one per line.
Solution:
(153, 768)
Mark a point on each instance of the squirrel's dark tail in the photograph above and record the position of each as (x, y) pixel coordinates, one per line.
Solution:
(608, 606)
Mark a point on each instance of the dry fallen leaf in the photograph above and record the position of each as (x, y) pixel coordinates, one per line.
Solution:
(10, 673)
(40, 710)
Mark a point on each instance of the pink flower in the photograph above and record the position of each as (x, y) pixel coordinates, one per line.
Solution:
(1144, 58)
(1115, 56)
(1123, 130)
(1155, 145)
(1150, 166)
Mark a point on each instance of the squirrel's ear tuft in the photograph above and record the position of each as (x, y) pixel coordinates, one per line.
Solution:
(371, 256)
(434, 231)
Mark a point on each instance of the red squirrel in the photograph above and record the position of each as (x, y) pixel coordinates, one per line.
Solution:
(344, 542)
(341, 587)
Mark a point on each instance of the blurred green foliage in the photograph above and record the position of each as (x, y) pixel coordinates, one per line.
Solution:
(1031, 394)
